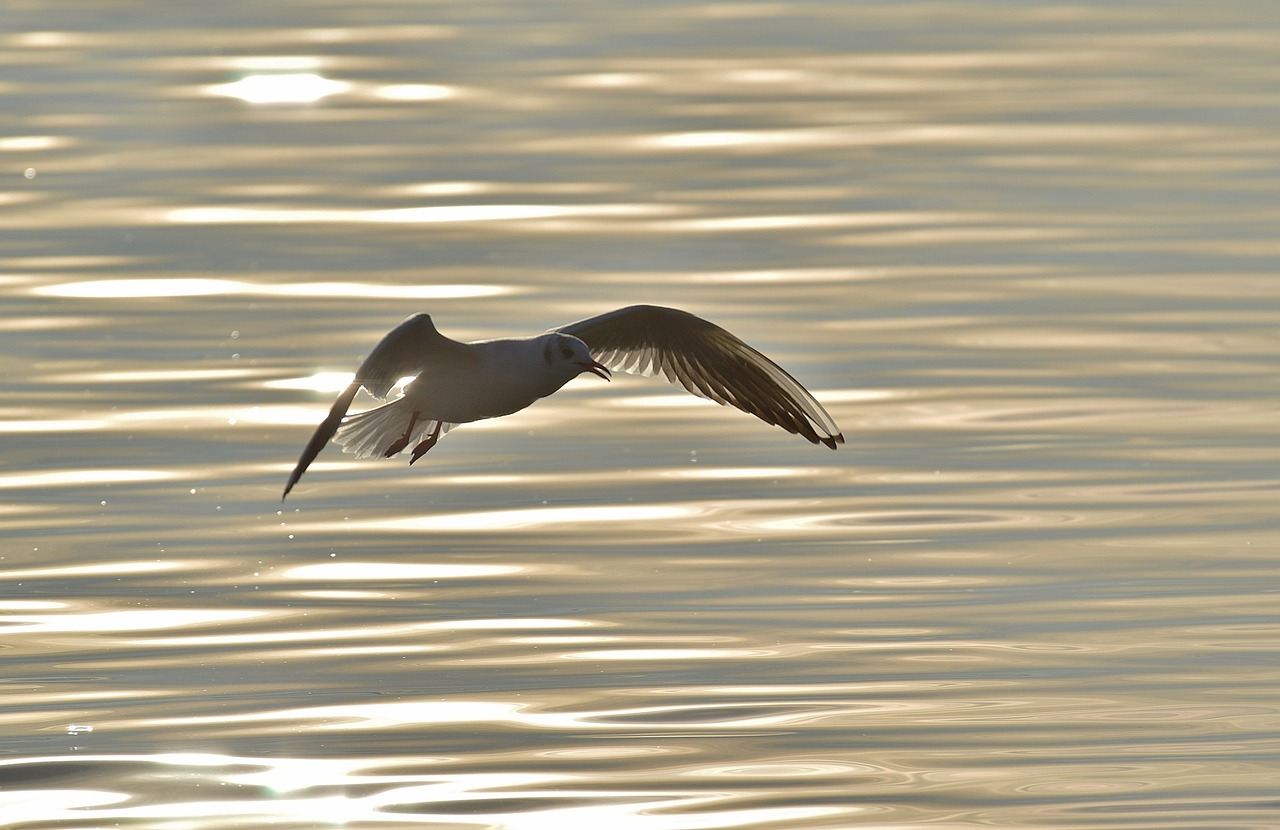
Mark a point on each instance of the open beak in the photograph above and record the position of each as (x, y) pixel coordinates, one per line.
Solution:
(596, 368)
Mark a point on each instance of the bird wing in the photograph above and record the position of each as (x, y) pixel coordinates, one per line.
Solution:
(709, 362)
(322, 435)
(406, 350)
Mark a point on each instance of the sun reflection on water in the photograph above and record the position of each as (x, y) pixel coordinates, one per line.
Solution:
(360, 792)
(492, 521)
(281, 88)
(344, 571)
(416, 92)
(142, 619)
(75, 478)
(204, 287)
(97, 569)
(431, 214)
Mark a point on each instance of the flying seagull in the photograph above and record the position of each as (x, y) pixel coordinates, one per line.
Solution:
(456, 383)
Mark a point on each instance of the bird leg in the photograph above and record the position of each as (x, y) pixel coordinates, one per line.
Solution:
(403, 441)
(430, 442)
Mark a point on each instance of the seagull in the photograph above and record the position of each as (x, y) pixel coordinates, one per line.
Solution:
(457, 383)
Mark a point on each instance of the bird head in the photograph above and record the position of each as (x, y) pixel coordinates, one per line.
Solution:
(572, 354)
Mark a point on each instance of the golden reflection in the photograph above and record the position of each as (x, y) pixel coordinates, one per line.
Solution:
(859, 395)
(962, 236)
(447, 189)
(706, 472)
(319, 382)
(72, 478)
(416, 92)
(324, 792)
(288, 774)
(281, 88)
(718, 715)
(96, 570)
(203, 287)
(10, 200)
(46, 40)
(61, 805)
(47, 425)
(366, 716)
(472, 188)
(609, 80)
(669, 654)
(607, 476)
(784, 769)
(729, 139)
(71, 261)
(29, 604)
(782, 275)
(663, 402)
(187, 375)
(31, 143)
(208, 416)
(431, 214)
(897, 521)
(509, 624)
(800, 221)
(127, 289)
(245, 638)
(211, 415)
(499, 520)
(892, 132)
(340, 596)
(349, 571)
(422, 291)
(144, 619)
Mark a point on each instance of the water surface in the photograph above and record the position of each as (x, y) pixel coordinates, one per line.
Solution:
(1025, 253)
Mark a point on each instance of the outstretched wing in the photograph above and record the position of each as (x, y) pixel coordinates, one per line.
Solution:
(404, 351)
(709, 362)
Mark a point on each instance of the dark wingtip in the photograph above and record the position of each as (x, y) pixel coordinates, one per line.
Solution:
(321, 436)
(830, 441)
(293, 479)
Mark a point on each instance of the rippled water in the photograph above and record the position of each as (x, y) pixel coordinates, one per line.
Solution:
(1025, 253)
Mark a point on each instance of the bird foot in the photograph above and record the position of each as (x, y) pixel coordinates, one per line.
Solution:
(430, 442)
(403, 441)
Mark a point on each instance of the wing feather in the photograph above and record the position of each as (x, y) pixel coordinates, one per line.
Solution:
(709, 362)
(371, 433)
(405, 351)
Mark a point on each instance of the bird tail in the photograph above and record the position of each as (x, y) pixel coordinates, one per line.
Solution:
(381, 432)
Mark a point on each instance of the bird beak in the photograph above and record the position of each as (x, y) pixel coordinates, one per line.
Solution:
(596, 368)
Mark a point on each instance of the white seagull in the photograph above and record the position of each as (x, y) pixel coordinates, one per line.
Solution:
(456, 383)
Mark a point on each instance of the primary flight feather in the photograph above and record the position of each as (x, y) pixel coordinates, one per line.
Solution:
(456, 383)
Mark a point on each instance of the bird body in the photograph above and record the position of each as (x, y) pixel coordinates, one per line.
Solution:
(487, 379)
(456, 383)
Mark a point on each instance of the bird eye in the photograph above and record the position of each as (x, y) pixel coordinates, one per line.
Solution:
(566, 352)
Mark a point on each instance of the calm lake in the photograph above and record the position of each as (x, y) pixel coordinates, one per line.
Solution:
(1025, 253)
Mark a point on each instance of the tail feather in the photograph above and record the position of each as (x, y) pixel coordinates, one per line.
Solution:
(370, 434)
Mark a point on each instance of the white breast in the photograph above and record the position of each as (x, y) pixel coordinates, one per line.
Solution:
(496, 378)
